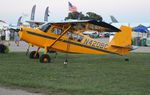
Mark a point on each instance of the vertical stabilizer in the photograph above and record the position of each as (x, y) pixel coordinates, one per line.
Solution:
(121, 42)
(46, 14)
(19, 23)
(32, 15)
(33, 12)
(113, 19)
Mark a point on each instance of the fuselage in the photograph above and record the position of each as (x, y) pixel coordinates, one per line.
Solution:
(52, 38)
(71, 42)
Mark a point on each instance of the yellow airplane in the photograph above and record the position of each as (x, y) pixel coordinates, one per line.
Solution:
(67, 37)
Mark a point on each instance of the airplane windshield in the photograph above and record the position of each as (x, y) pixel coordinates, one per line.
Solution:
(45, 27)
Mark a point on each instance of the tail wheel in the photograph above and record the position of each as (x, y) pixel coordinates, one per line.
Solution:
(45, 58)
(32, 55)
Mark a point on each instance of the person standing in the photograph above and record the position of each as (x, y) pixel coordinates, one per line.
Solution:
(16, 38)
(7, 37)
(3, 35)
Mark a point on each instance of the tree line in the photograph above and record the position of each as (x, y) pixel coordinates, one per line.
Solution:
(81, 16)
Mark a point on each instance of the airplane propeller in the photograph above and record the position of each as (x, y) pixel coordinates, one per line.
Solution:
(28, 48)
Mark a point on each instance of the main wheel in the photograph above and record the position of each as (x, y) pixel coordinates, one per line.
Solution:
(32, 55)
(45, 58)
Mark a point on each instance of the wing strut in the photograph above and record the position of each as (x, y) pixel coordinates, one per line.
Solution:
(64, 32)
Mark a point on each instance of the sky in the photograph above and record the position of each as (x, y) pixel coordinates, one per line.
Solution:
(130, 11)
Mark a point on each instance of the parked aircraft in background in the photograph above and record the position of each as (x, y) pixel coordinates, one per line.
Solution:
(34, 23)
(113, 19)
(116, 23)
(139, 29)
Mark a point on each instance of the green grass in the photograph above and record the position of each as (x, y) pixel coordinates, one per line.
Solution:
(84, 75)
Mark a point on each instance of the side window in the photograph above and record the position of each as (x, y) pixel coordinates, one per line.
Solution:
(79, 38)
(70, 35)
(75, 37)
(57, 31)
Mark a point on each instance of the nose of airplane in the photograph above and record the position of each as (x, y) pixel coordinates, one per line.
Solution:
(20, 32)
(17, 30)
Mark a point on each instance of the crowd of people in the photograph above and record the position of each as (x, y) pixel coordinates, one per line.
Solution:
(7, 35)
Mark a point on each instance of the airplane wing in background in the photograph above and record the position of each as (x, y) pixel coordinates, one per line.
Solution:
(35, 23)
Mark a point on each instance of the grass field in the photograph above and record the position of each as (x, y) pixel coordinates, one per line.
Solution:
(84, 75)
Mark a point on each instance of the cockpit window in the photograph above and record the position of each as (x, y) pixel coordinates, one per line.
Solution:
(57, 31)
(45, 27)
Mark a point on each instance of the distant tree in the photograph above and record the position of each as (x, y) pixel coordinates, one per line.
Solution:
(80, 16)
(93, 16)
(73, 15)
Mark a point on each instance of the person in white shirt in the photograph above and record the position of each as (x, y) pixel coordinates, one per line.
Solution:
(3, 35)
(16, 38)
(7, 37)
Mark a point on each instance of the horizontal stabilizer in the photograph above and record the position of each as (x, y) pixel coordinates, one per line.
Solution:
(128, 47)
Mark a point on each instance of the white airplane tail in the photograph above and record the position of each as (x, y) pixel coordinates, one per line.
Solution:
(46, 14)
(113, 19)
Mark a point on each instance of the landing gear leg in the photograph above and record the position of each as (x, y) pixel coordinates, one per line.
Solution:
(55, 54)
(35, 54)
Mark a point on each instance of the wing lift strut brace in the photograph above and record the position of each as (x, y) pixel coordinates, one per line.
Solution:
(64, 32)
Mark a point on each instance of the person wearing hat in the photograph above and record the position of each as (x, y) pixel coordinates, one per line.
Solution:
(16, 38)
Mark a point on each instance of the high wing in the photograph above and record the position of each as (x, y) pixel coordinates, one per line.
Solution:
(86, 25)
(82, 26)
